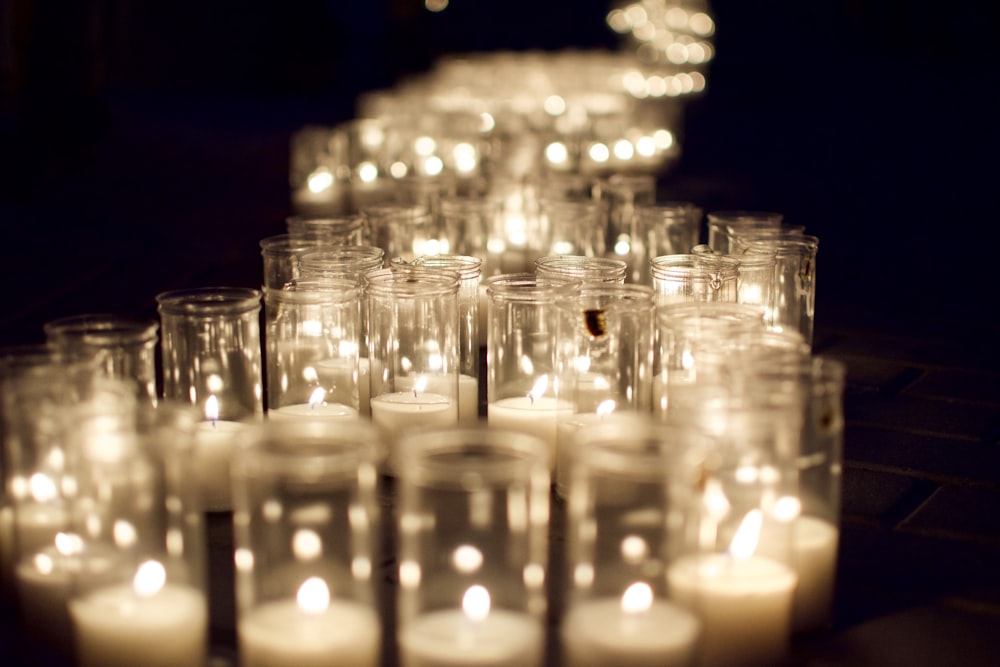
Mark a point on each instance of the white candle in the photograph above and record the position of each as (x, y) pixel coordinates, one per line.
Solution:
(276, 634)
(317, 411)
(598, 633)
(450, 638)
(397, 411)
(538, 417)
(814, 557)
(744, 605)
(115, 626)
(334, 372)
(214, 445)
(468, 393)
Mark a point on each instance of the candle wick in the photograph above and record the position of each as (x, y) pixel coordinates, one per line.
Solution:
(531, 397)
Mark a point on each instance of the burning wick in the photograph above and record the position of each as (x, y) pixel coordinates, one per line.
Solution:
(541, 384)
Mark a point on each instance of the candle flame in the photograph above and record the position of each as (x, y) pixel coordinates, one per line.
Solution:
(43, 489)
(745, 541)
(149, 578)
(606, 408)
(476, 603)
(313, 596)
(541, 384)
(637, 598)
(212, 409)
(317, 396)
(419, 385)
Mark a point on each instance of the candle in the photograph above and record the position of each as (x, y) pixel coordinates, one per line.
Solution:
(536, 416)
(333, 372)
(468, 392)
(401, 410)
(116, 626)
(744, 605)
(598, 633)
(276, 634)
(315, 410)
(450, 638)
(36, 525)
(814, 558)
(214, 444)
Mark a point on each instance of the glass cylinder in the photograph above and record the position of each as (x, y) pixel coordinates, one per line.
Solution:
(795, 279)
(212, 359)
(350, 262)
(522, 388)
(668, 228)
(467, 223)
(588, 270)
(280, 254)
(756, 281)
(573, 227)
(619, 610)
(305, 525)
(347, 229)
(413, 347)
(688, 277)
(605, 357)
(124, 345)
(722, 223)
(516, 238)
(622, 193)
(139, 593)
(734, 566)
(473, 519)
(404, 230)
(313, 337)
(469, 270)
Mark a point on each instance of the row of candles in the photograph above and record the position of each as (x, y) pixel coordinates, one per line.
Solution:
(683, 423)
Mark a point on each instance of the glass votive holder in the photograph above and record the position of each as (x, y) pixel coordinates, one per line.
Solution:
(573, 227)
(413, 347)
(618, 607)
(125, 346)
(516, 237)
(522, 386)
(139, 589)
(212, 359)
(733, 564)
(722, 223)
(621, 194)
(467, 223)
(313, 336)
(404, 230)
(605, 357)
(690, 277)
(472, 527)
(588, 270)
(795, 279)
(280, 255)
(305, 525)
(350, 262)
(469, 270)
(345, 229)
(665, 228)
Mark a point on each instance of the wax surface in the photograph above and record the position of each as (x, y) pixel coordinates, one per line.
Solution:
(449, 639)
(320, 411)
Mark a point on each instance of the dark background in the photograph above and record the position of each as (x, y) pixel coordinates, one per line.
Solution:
(144, 145)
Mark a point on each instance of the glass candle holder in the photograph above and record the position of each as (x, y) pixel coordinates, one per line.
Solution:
(473, 519)
(619, 610)
(404, 230)
(280, 254)
(573, 227)
(689, 277)
(522, 388)
(722, 223)
(212, 359)
(413, 347)
(350, 262)
(139, 589)
(468, 222)
(516, 237)
(756, 281)
(605, 356)
(346, 229)
(313, 336)
(469, 270)
(124, 345)
(588, 270)
(622, 193)
(667, 228)
(305, 523)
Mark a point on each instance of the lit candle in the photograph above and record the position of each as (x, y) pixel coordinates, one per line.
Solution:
(311, 631)
(333, 372)
(533, 413)
(744, 601)
(215, 440)
(397, 411)
(150, 622)
(475, 636)
(635, 630)
(316, 408)
(814, 558)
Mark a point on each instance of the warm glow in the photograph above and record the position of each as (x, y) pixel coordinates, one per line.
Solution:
(313, 596)
(398, 170)
(664, 139)
(624, 150)
(43, 489)
(787, 508)
(306, 544)
(124, 533)
(744, 543)
(465, 157)
(149, 578)
(645, 146)
(425, 146)
(467, 559)
(69, 544)
(419, 385)
(367, 172)
(212, 409)
(599, 152)
(554, 105)
(317, 396)
(320, 180)
(605, 408)
(541, 384)
(637, 598)
(634, 549)
(436, 5)
(556, 153)
(476, 603)
(433, 165)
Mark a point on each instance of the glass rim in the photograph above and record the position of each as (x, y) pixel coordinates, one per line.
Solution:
(412, 282)
(311, 448)
(529, 287)
(102, 329)
(209, 301)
